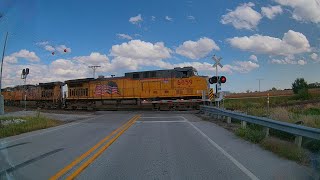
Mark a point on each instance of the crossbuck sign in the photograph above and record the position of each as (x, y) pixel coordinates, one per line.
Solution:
(217, 60)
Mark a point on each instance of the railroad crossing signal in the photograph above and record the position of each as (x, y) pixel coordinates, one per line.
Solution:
(211, 94)
(217, 60)
(24, 73)
(212, 80)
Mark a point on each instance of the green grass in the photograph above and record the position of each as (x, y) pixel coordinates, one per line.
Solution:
(259, 102)
(306, 111)
(285, 149)
(279, 142)
(309, 114)
(252, 135)
(312, 111)
(282, 148)
(31, 124)
(293, 115)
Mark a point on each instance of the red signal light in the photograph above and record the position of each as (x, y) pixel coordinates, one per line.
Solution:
(223, 79)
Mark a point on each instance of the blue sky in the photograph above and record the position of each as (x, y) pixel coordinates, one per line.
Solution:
(274, 40)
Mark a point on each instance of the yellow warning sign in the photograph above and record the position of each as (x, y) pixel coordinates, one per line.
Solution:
(211, 95)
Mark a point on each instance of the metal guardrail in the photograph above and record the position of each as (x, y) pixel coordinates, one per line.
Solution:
(295, 129)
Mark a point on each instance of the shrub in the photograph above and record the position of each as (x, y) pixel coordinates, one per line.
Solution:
(299, 84)
(303, 94)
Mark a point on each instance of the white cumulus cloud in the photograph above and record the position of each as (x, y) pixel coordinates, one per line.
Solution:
(57, 70)
(303, 10)
(253, 58)
(314, 56)
(135, 19)
(191, 18)
(10, 59)
(95, 58)
(62, 48)
(244, 66)
(23, 54)
(124, 36)
(136, 53)
(291, 43)
(49, 48)
(302, 62)
(42, 43)
(197, 49)
(137, 49)
(68, 69)
(271, 11)
(168, 18)
(243, 17)
(288, 60)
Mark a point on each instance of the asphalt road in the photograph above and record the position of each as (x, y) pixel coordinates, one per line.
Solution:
(157, 145)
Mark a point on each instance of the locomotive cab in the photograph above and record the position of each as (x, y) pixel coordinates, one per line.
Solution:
(185, 72)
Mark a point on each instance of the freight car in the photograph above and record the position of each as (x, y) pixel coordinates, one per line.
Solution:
(45, 95)
(178, 88)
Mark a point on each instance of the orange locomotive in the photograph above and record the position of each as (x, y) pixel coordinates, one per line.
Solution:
(46, 95)
(178, 88)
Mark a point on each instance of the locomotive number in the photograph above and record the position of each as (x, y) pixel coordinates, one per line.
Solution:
(185, 82)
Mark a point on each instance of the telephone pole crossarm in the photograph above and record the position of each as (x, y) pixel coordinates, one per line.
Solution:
(94, 70)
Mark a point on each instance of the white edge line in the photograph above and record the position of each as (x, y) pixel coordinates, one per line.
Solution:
(159, 121)
(47, 131)
(235, 162)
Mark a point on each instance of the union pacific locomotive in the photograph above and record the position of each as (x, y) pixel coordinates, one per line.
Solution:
(178, 88)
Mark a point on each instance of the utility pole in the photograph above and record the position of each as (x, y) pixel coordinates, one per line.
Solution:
(259, 83)
(94, 70)
(1, 96)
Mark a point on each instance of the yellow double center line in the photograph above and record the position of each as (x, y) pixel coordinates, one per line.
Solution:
(118, 133)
